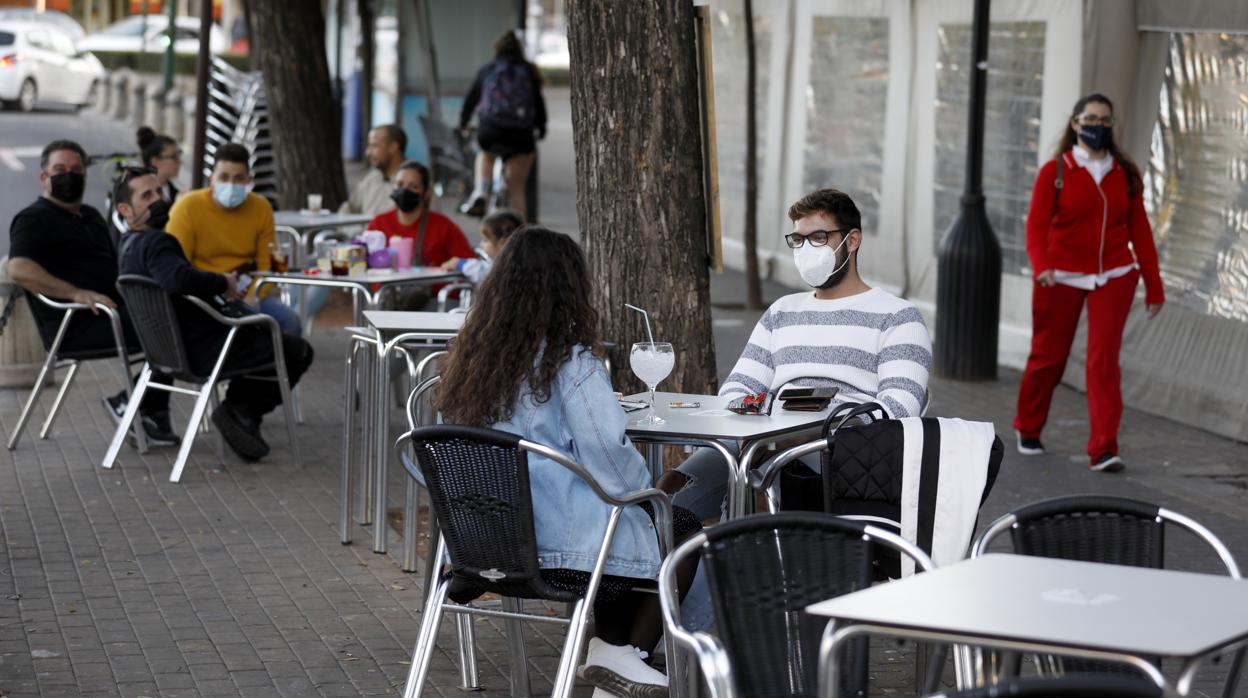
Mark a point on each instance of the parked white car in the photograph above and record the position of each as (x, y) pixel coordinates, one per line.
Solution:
(130, 35)
(62, 21)
(38, 62)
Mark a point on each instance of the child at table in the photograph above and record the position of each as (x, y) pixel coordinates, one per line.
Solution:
(495, 230)
(554, 390)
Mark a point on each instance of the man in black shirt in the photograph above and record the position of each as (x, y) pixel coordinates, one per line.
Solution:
(60, 247)
(149, 251)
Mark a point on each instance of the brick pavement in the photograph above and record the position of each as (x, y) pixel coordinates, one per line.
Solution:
(233, 582)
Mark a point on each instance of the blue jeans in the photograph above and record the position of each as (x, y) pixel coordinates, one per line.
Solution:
(316, 297)
(286, 317)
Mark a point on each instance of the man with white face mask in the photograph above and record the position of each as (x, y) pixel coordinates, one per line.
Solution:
(869, 344)
(226, 227)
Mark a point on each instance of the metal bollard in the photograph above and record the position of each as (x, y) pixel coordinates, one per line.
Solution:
(104, 94)
(138, 102)
(175, 120)
(154, 108)
(121, 93)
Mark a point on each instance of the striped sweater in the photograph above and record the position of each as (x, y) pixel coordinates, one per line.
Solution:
(872, 346)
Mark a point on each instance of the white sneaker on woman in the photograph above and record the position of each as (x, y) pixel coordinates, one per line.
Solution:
(618, 670)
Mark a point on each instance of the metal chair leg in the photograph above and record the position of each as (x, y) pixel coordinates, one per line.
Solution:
(220, 440)
(60, 398)
(40, 382)
(426, 640)
(520, 686)
(411, 524)
(132, 411)
(469, 679)
(364, 475)
(566, 676)
(188, 436)
(283, 382)
(346, 491)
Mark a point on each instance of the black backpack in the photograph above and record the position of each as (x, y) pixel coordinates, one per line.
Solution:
(507, 95)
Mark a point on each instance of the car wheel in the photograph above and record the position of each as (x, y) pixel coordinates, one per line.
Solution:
(28, 96)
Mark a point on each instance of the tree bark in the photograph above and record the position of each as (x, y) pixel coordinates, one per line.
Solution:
(302, 112)
(368, 61)
(640, 200)
(749, 237)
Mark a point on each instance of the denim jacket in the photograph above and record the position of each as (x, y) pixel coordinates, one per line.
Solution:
(583, 420)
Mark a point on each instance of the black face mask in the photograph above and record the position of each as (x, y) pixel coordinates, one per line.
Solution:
(157, 215)
(67, 187)
(406, 200)
(1096, 136)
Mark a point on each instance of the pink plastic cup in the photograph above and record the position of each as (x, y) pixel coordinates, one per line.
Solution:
(403, 247)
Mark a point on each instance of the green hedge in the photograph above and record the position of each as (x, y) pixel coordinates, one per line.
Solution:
(154, 62)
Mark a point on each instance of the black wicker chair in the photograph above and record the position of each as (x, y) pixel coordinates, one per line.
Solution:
(763, 571)
(59, 358)
(156, 324)
(1077, 686)
(478, 482)
(1105, 529)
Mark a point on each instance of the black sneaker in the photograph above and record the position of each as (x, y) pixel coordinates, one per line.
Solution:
(158, 429)
(241, 432)
(1108, 463)
(116, 406)
(1029, 446)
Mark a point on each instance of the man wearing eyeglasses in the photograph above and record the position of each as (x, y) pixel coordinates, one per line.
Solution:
(61, 247)
(867, 343)
(149, 251)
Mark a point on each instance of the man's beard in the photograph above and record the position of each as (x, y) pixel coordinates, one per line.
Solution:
(838, 276)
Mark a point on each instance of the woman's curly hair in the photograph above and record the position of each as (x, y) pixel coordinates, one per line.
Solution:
(529, 314)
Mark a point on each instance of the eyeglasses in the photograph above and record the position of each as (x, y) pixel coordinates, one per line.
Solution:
(129, 173)
(175, 156)
(1091, 120)
(818, 238)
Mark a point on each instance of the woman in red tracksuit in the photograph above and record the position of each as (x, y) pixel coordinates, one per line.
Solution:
(1089, 241)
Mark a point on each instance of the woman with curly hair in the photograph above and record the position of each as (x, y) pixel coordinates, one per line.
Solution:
(527, 362)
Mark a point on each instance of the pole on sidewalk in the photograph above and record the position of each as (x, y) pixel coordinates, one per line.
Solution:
(171, 35)
(968, 289)
(201, 93)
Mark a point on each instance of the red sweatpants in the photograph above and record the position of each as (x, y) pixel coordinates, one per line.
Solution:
(1055, 314)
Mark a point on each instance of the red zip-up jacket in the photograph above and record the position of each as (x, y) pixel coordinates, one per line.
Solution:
(1092, 228)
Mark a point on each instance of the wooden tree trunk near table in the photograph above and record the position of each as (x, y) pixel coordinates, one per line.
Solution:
(640, 201)
(290, 40)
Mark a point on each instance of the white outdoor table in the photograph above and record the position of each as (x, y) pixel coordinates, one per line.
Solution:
(306, 224)
(1034, 604)
(385, 332)
(361, 285)
(711, 424)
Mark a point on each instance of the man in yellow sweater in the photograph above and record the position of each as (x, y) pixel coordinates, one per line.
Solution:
(227, 226)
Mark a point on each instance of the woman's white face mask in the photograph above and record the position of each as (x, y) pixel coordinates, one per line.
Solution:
(817, 264)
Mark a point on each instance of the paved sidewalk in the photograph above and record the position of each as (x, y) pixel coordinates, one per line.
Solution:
(119, 583)
(233, 582)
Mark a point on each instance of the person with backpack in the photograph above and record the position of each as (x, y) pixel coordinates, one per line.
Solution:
(506, 97)
(1089, 242)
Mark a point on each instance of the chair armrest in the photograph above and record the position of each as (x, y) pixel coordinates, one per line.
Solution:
(257, 319)
(762, 478)
(69, 305)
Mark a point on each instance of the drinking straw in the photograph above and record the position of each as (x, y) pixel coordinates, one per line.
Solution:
(645, 315)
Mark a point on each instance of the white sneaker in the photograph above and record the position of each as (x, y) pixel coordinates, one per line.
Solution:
(599, 693)
(618, 670)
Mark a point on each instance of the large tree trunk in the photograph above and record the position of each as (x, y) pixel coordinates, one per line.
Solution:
(639, 170)
(749, 237)
(368, 60)
(302, 111)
